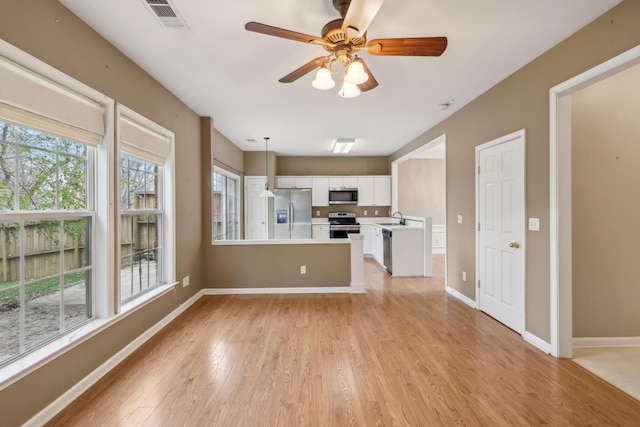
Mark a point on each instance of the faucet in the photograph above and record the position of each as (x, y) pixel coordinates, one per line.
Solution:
(402, 220)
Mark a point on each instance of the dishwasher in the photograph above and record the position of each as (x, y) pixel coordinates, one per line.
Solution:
(386, 250)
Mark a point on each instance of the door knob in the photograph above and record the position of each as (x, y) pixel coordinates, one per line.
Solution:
(514, 245)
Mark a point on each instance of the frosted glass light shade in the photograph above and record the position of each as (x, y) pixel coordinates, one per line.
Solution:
(356, 74)
(323, 80)
(349, 90)
(266, 193)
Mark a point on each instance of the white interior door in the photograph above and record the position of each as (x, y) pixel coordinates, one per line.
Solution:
(500, 208)
(255, 208)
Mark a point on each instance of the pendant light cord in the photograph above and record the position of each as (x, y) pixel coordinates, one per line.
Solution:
(266, 162)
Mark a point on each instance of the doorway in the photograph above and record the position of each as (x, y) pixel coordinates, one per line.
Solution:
(419, 189)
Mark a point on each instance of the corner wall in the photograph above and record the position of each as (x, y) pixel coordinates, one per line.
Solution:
(51, 33)
(521, 101)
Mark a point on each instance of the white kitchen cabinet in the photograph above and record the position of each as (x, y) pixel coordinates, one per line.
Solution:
(365, 230)
(293, 182)
(376, 244)
(382, 191)
(320, 231)
(320, 191)
(374, 190)
(339, 182)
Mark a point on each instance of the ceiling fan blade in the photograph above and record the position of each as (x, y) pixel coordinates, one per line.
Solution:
(371, 82)
(306, 68)
(419, 46)
(257, 27)
(359, 16)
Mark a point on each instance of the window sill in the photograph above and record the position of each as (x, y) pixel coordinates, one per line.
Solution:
(22, 367)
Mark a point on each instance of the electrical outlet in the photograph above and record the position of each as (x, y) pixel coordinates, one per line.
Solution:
(459, 219)
(365, 213)
(303, 269)
(375, 212)
(317, 213)
(464, 276)
(185, 281)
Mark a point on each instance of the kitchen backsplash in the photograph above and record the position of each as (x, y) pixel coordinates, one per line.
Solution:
(323, 211)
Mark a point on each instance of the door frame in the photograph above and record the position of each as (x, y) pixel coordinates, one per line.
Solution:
(506, 138)
(560, 280)
(442, 139)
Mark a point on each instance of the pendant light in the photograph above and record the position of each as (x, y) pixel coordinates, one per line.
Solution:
(266, 192)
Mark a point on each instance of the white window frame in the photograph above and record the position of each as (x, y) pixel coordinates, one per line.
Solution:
(221, 171)
(102, 223)
(167, 249)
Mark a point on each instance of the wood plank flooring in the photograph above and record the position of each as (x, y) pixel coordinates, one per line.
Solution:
(404, 354)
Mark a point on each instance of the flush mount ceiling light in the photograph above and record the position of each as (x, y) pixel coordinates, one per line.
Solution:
(266, 192)
(343, 145)
(343, 38)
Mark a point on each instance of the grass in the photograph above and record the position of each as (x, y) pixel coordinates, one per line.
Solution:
(11, 299)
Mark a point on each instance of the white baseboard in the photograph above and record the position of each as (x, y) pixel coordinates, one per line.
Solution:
(465, 299)
(591, 342)
(83, 385)
(262, 291)
(357, 288)
(537, 342)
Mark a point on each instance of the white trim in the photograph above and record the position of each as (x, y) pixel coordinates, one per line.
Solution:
(465, 299)
(83, 385)
(596, 342)
(560, 199)
(537, 342)
(30, 362)
(519, 134)
(265, 291)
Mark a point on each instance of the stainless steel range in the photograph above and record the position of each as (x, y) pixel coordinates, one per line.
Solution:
(341, 224)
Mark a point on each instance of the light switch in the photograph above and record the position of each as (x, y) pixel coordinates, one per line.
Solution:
(459, 219)
(534, 224)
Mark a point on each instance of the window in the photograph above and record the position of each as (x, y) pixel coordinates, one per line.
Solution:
(226, 200)
(146, 224)
(140, 226)
(45, 237)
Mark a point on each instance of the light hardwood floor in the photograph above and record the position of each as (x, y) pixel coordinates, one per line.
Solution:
(404, 354)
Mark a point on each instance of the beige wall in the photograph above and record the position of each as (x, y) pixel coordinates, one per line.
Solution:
(48, 31)
(278, 266)
(421, 189)
(605, 168)
(333, 165)
(521, 101)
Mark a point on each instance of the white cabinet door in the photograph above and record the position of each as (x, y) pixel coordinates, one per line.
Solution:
(293, 182)
(285, 182)
(382, 191)
(320, 232)
(336, 182)
(350, 182)
(365, 230)
(376, 244)
(365, 191)
(320, 191)
(302, 182)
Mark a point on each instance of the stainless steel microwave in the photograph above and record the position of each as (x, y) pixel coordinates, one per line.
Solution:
(343, 196)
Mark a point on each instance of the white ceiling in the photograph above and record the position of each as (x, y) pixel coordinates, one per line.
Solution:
(222, 71)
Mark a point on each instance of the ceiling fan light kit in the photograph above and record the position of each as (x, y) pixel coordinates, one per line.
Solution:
(323, 80)
(343, 38)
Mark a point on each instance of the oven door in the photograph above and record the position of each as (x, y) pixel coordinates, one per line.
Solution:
(342, 231)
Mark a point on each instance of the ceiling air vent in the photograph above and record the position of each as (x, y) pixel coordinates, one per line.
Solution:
(166, 13)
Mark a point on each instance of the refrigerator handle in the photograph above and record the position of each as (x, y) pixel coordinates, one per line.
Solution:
(291, 216)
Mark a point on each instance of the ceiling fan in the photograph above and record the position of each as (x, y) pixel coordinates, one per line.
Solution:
(343, 38)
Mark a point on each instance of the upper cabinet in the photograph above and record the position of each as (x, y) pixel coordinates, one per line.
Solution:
(293, 182)
(339, 182)
(320, 191)
(374, 191)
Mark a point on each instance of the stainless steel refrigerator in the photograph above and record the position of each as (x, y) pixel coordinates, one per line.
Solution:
(292, 213)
